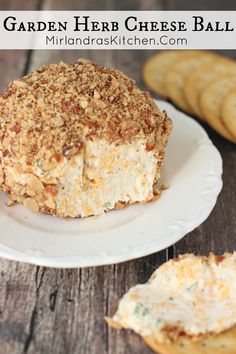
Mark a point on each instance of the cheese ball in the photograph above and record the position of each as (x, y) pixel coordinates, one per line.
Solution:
(79, 139)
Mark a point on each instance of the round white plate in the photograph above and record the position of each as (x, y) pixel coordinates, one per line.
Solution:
(193, 168)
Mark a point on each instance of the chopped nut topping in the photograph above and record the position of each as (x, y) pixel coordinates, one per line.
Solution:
(35, 184)
(31, 204)
(165, 186)
(156, 191)
(84, 104)
(51, 189)
(96, 95)
(120, 205)
(58, 122)
(53, 104)
(10, 202)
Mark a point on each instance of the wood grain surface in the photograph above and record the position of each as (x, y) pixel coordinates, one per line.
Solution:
(56, 311)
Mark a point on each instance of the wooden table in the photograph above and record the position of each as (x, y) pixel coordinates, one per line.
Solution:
(49, 311)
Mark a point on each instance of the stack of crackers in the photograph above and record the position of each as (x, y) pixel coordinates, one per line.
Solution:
(201, 83)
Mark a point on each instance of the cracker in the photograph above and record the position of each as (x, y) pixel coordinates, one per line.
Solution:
(210, 102)
(228, 112)
(200, 78)
(186, 307)
(223, 343)
(156, 67)
(178, 74)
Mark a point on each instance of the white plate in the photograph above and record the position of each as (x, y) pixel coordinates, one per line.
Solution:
(193, 168)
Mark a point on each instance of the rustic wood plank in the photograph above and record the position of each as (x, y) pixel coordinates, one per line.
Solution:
(218, 233)
(200, 5)
(10, 5)
(17, 283)
(13, 63)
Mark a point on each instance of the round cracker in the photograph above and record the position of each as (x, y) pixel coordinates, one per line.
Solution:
(211, 99)
(199, 79)
(178, 74)
(228, 112)
(222, 343)
(156, 67)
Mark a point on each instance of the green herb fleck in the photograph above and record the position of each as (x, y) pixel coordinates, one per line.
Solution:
(141, 310)
(107, 205)
(38, 162)
(190, 288)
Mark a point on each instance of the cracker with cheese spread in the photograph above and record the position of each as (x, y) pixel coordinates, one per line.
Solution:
(187, 306)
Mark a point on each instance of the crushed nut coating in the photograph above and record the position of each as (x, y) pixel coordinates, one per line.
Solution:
(48, 116)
